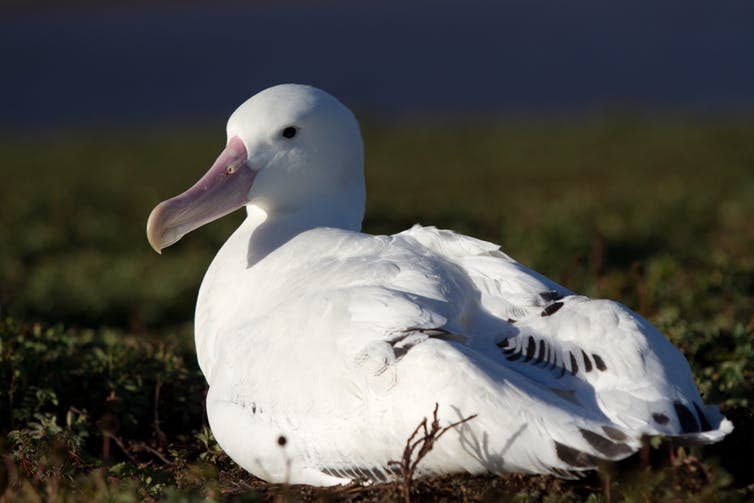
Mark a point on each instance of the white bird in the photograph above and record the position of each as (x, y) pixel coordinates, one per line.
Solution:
(341, 342)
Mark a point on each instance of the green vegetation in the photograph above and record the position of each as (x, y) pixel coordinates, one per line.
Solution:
(100, 395)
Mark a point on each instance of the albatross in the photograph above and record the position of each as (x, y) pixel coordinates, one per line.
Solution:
(324, 347)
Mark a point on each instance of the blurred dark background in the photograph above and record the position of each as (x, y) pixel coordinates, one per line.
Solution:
(112, 63)
(607, 144)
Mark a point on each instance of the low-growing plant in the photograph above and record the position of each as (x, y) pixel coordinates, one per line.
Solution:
(101, 398)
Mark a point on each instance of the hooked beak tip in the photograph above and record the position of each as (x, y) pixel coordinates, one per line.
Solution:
(154, 229)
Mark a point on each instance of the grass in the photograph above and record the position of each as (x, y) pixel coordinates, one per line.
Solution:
(100, 395)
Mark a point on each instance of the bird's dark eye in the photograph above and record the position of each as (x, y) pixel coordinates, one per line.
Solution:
(289, 132)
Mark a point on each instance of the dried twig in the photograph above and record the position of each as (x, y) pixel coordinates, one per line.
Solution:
(144, 447)
(160, 436)
(134, 447)
(123, 448)
(418, 445)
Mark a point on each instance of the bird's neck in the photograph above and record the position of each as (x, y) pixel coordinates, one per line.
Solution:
(266, 232)
(224, 289)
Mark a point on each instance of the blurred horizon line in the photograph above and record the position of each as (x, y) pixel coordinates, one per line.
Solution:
(115, 63)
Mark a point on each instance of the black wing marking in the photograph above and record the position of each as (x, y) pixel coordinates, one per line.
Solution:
(575, 457)
(610, 448)
(587, 361)
(574, 365)
(530, 348)
(660, 418)
(686, 418)
(614, 433)
(403, 342)
(541, 352)
(551, 295)
(706, 426)
(362, 473)
(552, 308)
(537, 351)
(599, 362)
(605, 445)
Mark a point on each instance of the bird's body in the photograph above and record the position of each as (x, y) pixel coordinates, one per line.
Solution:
(341, 342)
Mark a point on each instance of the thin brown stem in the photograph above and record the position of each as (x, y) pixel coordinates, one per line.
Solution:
(412, 457)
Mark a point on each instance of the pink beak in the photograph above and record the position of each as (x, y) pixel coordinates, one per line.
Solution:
(223, 189)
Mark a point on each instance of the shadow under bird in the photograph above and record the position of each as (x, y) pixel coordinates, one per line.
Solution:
(342, 342)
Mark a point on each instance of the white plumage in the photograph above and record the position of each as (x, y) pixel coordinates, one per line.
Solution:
(342, 342)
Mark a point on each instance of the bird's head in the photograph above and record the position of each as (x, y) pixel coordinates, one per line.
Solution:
(291, 150)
